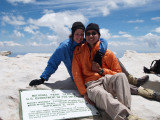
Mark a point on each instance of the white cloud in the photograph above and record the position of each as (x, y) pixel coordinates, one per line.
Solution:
(136, 27)
(3, 31)
(149, 36)
(21, 1)
(126, 36)
(96, 8)
(54, 20)
(105, 33)
(18, 34)
(42, 38)
(51, 37)
(46, 11)
(156, 18)
(35, 44)
(121, 32)
(119, 43)
(151, 39)
(122, 35)
(9, 43)
(105, 11)
(133, 3)
(136, 21)
(105, 7)
(60, 22)
(157, 30)
(115, 36)
(31, 29)
(86, 7)
(13, 20)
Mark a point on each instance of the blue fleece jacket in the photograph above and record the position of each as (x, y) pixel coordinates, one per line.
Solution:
(65, 53)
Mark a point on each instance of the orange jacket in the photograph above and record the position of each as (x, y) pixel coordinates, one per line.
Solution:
(82, 65)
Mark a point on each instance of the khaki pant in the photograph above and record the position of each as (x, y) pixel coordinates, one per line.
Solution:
(103, 92)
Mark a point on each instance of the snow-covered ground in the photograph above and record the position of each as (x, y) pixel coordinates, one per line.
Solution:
(17, 72)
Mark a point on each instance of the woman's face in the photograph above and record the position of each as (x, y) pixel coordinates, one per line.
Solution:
(78, 36)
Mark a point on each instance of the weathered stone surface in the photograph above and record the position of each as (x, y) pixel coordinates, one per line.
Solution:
(5, 53)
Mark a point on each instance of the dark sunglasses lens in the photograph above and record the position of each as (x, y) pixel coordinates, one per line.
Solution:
(94, 33)
(88, 33)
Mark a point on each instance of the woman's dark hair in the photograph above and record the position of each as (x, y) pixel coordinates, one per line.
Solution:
(70, 36)
(75, 26)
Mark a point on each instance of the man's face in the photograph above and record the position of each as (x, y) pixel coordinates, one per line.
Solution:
(92, 37)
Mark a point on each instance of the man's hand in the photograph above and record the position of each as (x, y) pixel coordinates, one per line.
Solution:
(37, 82)
(98, 58)
(88, 100)
(96, 67)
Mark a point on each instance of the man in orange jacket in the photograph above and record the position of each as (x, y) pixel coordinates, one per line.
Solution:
(106, 86)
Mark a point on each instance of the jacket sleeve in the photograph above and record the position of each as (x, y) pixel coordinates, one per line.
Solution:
(110, 64)
(77, 74)
(53, 63)
(103, 45)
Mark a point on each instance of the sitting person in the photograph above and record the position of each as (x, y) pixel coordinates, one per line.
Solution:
(106, 87)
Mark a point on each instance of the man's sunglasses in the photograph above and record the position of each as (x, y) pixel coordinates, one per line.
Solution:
(92, 33)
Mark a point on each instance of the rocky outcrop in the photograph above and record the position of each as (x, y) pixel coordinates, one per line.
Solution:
(5, 53)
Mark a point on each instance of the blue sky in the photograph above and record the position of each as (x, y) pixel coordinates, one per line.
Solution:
(40, 25)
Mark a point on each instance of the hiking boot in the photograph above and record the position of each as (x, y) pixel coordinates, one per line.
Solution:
(148, 93)
(133, 117)
(142, 80)
(137, 81)
(156, 96)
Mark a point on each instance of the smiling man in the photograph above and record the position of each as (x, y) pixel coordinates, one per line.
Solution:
(106, 87)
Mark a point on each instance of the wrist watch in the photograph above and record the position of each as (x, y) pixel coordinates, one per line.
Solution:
(101, 72)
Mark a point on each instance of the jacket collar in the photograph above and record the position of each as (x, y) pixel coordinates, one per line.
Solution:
(74, 44)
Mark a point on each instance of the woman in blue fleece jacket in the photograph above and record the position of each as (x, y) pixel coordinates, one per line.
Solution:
(65, 53)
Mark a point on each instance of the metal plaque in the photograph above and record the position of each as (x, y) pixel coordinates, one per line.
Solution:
(54, 105)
